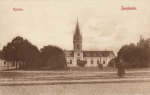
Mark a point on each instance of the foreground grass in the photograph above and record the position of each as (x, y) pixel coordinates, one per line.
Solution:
(78, 89)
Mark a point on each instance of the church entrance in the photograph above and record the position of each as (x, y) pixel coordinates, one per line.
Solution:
(78, 61)
(81, 63)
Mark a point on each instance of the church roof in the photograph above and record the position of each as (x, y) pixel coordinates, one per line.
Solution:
(91, 53)
(98, 53)
(69, 53)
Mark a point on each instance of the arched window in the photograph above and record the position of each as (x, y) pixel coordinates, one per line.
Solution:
(91, 61)
(70, 61)
(78, 46)
(4, 62)
(98, 62)
(78, 54)
(103, 62)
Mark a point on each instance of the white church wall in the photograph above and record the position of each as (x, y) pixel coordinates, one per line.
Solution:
(78, 55)
(70, 61)
(92, 61)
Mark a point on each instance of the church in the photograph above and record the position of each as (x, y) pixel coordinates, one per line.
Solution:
(83, 58)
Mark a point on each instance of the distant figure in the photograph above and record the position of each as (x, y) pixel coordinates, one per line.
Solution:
(121, 68)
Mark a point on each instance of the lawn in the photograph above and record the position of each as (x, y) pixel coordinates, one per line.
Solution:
(68, 75)
(79, 89)
(116, 88)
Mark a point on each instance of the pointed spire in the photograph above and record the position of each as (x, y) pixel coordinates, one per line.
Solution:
(77, 27)
(77, 34)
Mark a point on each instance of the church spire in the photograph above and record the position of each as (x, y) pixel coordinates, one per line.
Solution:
(77, 34)
(77, 38)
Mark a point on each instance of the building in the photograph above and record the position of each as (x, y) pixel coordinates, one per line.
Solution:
(6, 65)
(79, 57)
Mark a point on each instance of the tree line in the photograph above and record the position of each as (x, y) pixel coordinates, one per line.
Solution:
(23, 53)
(27, 56)
(134, 55)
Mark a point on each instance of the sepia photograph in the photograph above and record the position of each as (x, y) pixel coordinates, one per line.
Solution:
(74, 47)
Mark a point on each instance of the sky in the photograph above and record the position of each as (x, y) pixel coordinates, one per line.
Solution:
(103, 24)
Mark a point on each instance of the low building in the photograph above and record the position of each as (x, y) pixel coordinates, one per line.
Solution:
(6, 65)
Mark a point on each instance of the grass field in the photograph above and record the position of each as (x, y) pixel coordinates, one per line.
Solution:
(79, 89)
(14, 76)
(76, 83)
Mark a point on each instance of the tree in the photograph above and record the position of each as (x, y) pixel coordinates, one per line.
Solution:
(1, 56)
(29, 54)
(20, 51)
(53, 58)
(135, 56)
(113, 62)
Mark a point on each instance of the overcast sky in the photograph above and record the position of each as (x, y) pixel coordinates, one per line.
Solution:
(52, 22)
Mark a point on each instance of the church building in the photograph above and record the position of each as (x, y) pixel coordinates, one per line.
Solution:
(79, 57)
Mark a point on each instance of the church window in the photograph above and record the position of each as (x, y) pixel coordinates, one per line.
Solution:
(4, 62)
(103, 62)
(98, 62)
(77, 46)
(78, 54)
(70, 61)
(91, 61)
(100, 59)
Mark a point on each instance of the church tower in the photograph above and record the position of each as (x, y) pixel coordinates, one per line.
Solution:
(77, 39)
(77, 42)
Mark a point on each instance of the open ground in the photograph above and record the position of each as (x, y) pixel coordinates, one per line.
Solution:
(136, 82)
